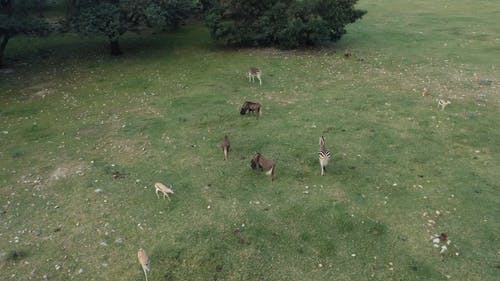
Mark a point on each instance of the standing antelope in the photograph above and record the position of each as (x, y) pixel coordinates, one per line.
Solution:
(323, 155)
(163, 189)
(264, 164)
(443, 103)
(249, 106)
(144, 261)
(425, 92)
(254, 72)
(225, 146)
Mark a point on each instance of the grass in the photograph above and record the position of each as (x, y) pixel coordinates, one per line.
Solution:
(71, 116)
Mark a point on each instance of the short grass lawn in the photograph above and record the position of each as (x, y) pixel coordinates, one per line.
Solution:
(85, 136)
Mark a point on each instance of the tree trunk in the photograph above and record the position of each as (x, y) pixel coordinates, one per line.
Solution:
(3, 44)
(40, 5)
(115, 47)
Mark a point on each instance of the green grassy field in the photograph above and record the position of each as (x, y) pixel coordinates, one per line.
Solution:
(72, 118)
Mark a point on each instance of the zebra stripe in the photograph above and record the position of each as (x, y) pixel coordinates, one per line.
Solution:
(324, 154)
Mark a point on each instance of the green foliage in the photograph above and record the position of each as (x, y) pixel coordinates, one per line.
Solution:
(103, 18)
(283, 23)
(18, 17)
(113, 18)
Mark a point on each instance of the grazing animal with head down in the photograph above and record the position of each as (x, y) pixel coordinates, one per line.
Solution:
(160, 187)
(263, 163)
(323, 155)
(225, 145)
(443, 103)
(254, 72)
(144, 261)
(249, 106)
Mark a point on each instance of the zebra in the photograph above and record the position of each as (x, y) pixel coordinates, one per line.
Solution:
(323, 155)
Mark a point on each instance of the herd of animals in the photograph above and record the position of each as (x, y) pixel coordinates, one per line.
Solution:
(258, 161)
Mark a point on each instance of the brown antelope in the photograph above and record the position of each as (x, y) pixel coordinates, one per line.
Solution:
(160, 187)
(225, 146)
(443, 103)
(249, 106)
(144, 261)
(254, 72)
(425, 92)
(323, 155)
(263, 163)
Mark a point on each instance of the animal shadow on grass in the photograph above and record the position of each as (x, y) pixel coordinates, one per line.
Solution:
(13, 255)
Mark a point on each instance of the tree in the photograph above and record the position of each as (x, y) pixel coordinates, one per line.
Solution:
(19, 17)
(112, 18)
(282, 23)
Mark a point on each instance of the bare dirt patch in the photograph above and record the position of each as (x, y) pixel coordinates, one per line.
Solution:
(37, 91)
(86, 132)
(123, 150)
(67, 170)
(287, 98)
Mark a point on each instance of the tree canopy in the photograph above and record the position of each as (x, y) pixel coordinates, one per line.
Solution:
(283, 23)
(19, 17)
(112, 18)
